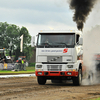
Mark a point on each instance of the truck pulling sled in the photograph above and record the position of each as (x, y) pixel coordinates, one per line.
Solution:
(6, 62)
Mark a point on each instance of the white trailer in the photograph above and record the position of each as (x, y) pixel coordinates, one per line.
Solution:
(59, 56)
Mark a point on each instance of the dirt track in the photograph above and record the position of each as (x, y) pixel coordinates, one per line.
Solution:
(28, 89)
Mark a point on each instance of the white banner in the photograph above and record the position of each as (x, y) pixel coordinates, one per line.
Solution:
(21, 44)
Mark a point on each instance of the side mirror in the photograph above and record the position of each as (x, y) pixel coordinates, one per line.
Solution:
(80, 41)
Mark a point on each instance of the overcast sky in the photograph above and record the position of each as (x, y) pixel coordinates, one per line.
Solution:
(38, 15)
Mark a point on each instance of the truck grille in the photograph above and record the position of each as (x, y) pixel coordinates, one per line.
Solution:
(54, 67)
(54, 58)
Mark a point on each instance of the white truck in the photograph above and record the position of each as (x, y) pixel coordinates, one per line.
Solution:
(59, 56)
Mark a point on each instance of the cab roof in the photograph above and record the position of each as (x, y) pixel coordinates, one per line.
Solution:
(60, 31)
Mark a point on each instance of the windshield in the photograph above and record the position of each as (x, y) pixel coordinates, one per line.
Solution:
(8, 61)
(54, 40)
(1, 51)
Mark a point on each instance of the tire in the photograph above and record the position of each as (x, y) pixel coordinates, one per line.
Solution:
(41, 80)
(77, 81)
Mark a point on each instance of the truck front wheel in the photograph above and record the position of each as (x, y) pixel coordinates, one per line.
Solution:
(78, 80)
(41, 80)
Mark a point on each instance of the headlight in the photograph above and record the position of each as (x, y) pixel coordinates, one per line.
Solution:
(38, 66)
(70, 66)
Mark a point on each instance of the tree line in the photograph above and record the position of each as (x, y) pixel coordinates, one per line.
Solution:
(10, 40)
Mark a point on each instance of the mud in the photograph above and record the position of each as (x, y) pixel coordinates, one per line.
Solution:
(28, 89)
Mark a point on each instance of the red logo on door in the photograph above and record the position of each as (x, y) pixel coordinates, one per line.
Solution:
(65, 50)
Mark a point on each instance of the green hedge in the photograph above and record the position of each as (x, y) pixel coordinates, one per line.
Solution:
(31, 64)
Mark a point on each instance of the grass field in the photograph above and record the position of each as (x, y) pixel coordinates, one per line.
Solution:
(28, 70)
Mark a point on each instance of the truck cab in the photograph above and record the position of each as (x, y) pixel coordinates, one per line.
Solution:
(59, 56)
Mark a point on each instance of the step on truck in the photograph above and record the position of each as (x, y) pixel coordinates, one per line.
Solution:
(59, 56)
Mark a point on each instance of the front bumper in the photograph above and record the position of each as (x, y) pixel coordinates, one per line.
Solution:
(57, 73)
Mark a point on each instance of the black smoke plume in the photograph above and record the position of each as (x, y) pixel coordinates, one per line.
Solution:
(81, 8)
